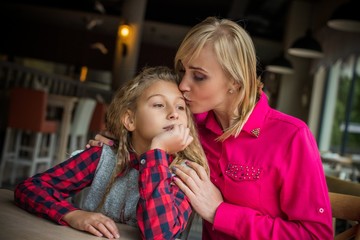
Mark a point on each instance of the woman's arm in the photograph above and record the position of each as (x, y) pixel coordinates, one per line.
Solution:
(100, 139)
(303, 199)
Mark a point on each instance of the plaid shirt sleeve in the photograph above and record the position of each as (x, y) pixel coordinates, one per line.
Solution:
(45, 193)
(163, 209)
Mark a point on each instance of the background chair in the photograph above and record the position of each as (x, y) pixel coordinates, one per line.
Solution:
(30, 137)
(97, 123)
(345, 205)
(80, 124)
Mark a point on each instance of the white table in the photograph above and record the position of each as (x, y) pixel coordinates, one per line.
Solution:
(17, 224)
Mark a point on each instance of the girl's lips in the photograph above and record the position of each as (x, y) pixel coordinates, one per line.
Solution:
(168, 128)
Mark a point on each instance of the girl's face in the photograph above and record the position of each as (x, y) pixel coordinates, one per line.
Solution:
(158, 108)
(204, 84)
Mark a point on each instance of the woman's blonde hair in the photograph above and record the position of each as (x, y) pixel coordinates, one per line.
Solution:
(235, 52)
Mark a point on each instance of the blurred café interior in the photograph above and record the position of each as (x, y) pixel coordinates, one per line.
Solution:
(60, 62)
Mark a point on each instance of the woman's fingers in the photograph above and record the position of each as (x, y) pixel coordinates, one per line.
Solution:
(200, 170)
(202, 193)
(188, 176)
(99, 141)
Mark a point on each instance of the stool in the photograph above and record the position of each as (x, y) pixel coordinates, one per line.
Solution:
(80, 124)
(30, 137)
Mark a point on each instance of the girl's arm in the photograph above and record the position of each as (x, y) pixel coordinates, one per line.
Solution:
(46, 194)
(163, 209)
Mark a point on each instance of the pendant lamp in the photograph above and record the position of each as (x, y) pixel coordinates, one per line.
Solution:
(346, 17)
(280, 65)
(307, 47)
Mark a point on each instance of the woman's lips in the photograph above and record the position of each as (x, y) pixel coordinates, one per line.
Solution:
(186, 97)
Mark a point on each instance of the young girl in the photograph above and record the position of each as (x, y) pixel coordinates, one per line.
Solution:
(130, 183)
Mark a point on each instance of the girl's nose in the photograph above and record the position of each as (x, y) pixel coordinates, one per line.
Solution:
(174, 115)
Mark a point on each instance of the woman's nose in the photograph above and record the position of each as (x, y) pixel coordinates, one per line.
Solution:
(183, 85)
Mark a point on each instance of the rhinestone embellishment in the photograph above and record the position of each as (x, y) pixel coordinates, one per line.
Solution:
(255, 132)
(243, 172)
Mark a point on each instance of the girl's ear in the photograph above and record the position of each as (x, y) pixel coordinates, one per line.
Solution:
(128, 120)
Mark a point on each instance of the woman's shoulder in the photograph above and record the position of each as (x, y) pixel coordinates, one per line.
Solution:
(286, 119)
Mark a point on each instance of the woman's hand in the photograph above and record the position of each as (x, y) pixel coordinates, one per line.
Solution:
(101, 139)
(94, 223)
(204, 196)
(173, 140)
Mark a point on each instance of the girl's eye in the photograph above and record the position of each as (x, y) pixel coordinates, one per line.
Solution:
(199, 77)
(158, 105)
(182, 108)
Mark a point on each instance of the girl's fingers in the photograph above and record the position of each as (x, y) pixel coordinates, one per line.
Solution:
(94, 231)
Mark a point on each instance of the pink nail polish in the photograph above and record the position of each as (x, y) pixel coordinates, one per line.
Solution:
(111, 143)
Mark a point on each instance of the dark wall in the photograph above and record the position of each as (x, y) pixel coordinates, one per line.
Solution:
(68, 46)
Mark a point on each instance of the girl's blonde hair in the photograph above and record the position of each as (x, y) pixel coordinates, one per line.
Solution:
(235, 52)
(126, 99)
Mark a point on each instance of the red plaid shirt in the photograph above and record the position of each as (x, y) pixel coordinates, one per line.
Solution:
(163, 209)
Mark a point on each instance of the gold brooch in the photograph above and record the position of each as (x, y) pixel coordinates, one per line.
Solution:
(255, 132)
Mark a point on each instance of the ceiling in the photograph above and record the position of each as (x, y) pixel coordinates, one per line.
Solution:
(264, 19)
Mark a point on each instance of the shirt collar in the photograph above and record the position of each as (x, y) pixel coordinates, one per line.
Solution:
(256, 119)
(252, 126)
(134, 162)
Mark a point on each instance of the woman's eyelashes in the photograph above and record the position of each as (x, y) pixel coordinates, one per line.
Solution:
(199, 76)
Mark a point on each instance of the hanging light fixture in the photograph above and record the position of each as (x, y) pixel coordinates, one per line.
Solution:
(280, 65)
(124, 31)
(346, 17)
(306, 47)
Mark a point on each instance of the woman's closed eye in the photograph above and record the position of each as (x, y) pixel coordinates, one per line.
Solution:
(199, 76)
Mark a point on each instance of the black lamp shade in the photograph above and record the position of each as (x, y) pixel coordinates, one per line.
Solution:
(306, 47)
(346, 17)
(280, 65)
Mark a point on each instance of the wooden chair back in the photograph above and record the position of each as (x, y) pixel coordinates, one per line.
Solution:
(345, 205)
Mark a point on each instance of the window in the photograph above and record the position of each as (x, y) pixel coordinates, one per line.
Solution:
(339, 128)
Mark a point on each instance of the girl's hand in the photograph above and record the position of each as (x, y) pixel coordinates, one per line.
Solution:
(101, 139)
(173, 140)
(204, 196)
(94, 223)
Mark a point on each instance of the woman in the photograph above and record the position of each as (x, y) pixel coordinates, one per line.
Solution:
(266, 177)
